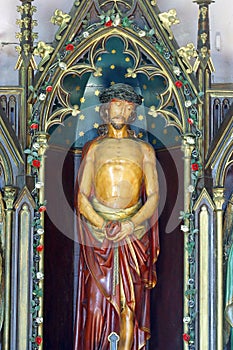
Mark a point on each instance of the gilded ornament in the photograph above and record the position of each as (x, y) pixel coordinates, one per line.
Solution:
(18, 49)
(218, 197)
(131, 73)
(20, 9)
(27, 9)
(34, 23)
(19, 23)
(75, 111)
(153, 112)
(9, 196)
(204, 11)
(19, 36)
(61, 19)
(204, 51)
(167, 19)
(186, 53)
(26, 21)
(34, 35)
(44, 51)
(26, 49)
(203, 37)
(98, 72)
(26, 34)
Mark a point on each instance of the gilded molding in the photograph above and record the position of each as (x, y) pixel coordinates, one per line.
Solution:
(9, 193)
(204, 195)
(204, 277)
(24, 262)
(24, 193)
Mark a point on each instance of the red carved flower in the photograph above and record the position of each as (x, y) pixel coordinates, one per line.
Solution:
(69, 47)
(49, 88)
(34, 126)
(40, 248)
(42, 208)
(194, 166)
(36, 163)
(178, 84)
(38, 340)
(108, 23)
(186, 337)
(190, 121)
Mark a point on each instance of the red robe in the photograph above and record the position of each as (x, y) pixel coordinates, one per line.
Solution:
(98, 301)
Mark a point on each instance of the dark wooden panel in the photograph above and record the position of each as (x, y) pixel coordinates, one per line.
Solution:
(59, 254)
(167, 296)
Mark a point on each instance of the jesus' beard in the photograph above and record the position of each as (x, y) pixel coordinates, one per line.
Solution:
(119, 125)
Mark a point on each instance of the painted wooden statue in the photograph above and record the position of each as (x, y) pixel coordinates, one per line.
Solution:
(118, 231)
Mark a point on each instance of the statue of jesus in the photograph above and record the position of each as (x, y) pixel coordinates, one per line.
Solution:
(117, 202)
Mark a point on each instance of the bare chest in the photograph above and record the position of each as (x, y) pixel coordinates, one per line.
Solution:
(116, 151)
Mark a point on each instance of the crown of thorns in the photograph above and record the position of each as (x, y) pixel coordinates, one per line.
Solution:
(122, 91)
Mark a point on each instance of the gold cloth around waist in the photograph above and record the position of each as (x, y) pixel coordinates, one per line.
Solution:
(108, 214)
(115, 213)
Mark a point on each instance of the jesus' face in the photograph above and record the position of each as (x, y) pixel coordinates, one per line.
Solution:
(119, 112)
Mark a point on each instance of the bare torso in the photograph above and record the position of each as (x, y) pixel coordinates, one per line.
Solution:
(118, 171)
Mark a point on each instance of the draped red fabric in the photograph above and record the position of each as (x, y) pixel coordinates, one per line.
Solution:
(98, 302)
(98, 297)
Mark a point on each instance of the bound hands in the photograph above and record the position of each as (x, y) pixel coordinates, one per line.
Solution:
(116, 230)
